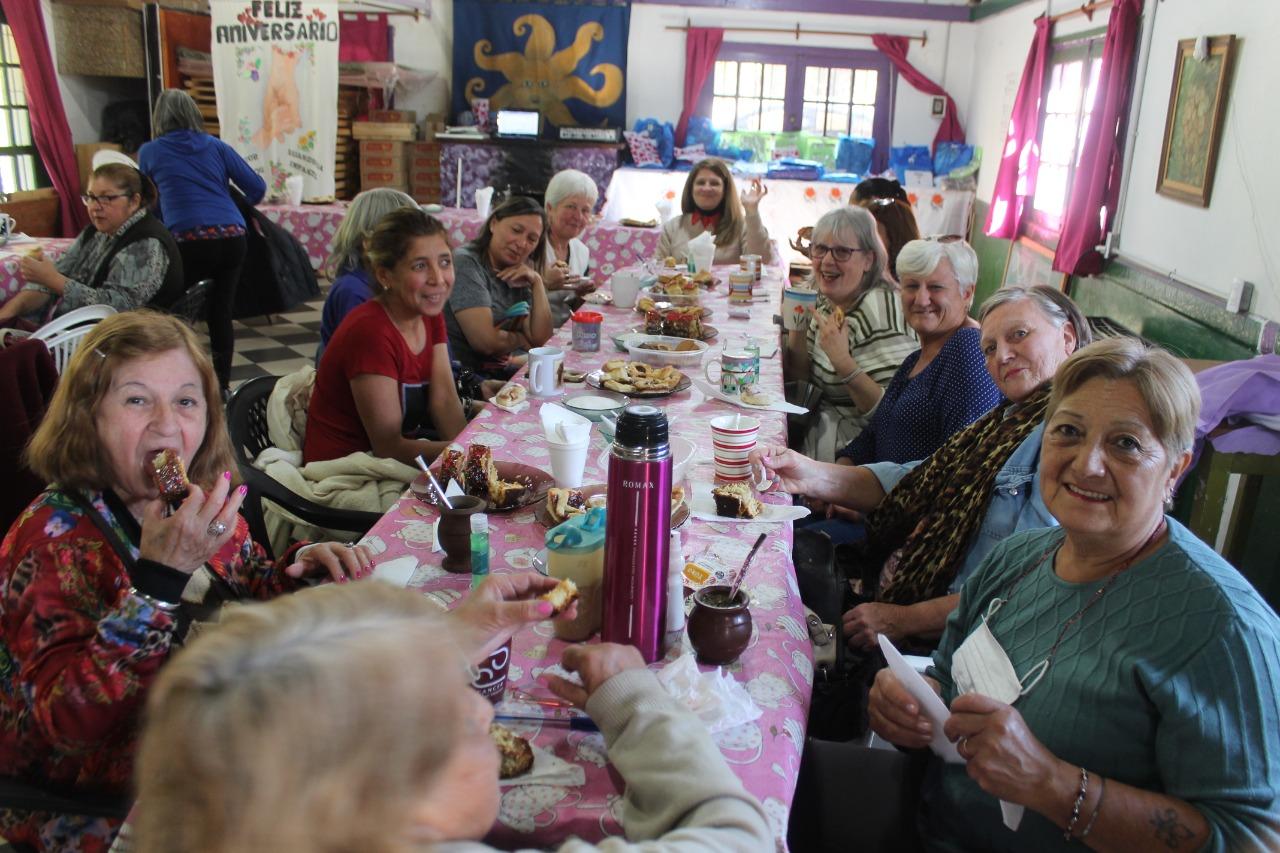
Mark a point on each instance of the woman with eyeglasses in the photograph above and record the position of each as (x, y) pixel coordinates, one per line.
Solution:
(194, 172)
(124, 258)
(858, 335)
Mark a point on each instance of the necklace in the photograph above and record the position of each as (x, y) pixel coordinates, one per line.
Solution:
(1097, 595)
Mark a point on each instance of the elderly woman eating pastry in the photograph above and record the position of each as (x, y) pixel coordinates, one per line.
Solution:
(1114, 676)
(929, 524)
(102, 575)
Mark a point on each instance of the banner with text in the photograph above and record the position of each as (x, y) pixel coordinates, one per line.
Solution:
(275, 69)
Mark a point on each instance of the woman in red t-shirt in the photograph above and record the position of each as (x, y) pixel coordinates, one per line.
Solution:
(385, 380)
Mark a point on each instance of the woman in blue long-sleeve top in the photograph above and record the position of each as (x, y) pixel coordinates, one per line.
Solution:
(193, 172)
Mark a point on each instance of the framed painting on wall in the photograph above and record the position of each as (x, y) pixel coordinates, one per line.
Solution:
(1193, 126)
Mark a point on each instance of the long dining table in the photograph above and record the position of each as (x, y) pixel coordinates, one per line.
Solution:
(777, 667)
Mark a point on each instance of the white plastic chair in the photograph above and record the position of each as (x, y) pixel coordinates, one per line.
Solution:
(88, 315)
(64, 344)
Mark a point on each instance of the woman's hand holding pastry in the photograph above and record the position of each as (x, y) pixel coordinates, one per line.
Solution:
(834, 341)
(340, 562)
(894, 715)
(188, 538)
(41, 271)
(1004, 757)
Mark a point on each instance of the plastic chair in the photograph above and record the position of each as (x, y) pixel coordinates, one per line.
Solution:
(190, 306)
(64, 344)
(247, 424)
(88, 315)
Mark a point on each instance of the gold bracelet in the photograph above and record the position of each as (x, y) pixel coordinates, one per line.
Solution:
(1102, 792)
(1075, 809)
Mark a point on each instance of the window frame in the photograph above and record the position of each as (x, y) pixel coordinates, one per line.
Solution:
(828, 57)
(1037, 225)
(39, 175)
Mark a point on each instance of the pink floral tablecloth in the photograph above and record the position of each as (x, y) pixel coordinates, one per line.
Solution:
(612, 246)
(776, 669)
(11, 280)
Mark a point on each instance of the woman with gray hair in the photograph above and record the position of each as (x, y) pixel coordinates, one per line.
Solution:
(1113, 675)
(857, 336)
(570, 199)
(346, 267)
(193, 172)
(944, 386)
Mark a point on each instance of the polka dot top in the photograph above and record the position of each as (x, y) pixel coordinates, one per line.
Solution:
(917, 414)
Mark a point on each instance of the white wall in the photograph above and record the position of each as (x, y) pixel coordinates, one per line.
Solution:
(426, 45)
(655, 61)
(1238, 235)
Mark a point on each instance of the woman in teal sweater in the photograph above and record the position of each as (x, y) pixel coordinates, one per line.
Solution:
(1114, 676)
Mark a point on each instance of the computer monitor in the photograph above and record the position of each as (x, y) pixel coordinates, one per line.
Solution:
(519, 124)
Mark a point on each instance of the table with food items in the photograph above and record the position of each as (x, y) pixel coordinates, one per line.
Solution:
(11, 280)
(612, 244)
(692, 363)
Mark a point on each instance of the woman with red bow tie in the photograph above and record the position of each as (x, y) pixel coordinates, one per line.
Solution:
(710, 202)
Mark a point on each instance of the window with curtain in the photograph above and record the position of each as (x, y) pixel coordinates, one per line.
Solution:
(19, 163)
(1068, 102)
(822, 91)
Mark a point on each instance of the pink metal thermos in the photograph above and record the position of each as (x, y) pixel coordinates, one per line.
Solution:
(637, 533)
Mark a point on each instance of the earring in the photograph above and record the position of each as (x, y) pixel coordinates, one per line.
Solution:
(1168, 501)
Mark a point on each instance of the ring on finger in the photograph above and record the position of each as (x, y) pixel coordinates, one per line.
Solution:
(217, 529)
(962, 748)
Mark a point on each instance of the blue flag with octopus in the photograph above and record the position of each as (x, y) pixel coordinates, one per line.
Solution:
(568, 62)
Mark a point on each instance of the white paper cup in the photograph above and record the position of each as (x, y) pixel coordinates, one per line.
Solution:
(625, 286)
(797, 307)
(293, 189)
(568, 461)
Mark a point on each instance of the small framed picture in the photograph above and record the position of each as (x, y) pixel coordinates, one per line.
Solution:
(939, 106)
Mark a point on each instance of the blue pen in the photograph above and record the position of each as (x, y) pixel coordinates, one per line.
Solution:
(576, 723)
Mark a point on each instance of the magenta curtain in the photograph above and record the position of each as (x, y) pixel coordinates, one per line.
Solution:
(363, 37)
(700, 48)
(895, 47)
(1095, 189)
(49, 126)
(1020, 159)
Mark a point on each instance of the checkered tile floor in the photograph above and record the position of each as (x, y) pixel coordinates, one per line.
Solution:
(275, 347)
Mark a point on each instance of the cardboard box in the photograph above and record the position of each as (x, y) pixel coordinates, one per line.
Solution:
(393, 116)
(399, 131)
(84, 158)
(383, 179)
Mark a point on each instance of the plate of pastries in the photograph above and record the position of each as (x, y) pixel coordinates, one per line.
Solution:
(563, 504)
(504, 486)
(638, 380)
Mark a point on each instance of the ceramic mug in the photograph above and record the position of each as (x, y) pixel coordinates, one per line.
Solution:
(625, 285)
(797, 307)
(545, 366)
(7, 225)
(738, 368)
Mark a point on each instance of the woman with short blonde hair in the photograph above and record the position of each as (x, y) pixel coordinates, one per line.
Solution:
(570, 199)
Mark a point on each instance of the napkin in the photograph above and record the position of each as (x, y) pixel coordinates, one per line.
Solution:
(484, 198)
(702, 252)
(778, 405)
(395, 572)
(714, 696)
(562, 426)
(932, 707)
(548, 770)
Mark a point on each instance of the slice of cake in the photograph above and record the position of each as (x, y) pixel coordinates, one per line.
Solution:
(736, 500)
(564, 503)
(517, 755)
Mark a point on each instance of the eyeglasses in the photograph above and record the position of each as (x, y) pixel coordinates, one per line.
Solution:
(947, 238)
(90, 200)
(840, 253)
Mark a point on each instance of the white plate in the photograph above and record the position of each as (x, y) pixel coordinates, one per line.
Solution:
(703, 506)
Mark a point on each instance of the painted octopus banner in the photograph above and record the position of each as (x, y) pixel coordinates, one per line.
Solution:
(568, 62)
(275, 69)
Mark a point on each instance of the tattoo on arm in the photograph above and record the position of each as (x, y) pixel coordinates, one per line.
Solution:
(1168, 829)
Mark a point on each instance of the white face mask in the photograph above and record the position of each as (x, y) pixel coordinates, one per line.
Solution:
(981, 666)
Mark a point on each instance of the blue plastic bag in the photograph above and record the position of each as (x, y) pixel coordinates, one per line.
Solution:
(853, 154)
(951, 156)
(910, 158)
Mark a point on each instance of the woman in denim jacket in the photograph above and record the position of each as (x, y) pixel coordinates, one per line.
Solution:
(930, 523)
